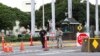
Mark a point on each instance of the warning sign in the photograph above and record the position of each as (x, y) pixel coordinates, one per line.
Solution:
(80, 37)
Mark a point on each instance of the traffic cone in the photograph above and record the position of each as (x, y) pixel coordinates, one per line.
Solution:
(2, 43)
(6, 48)
(10, 47)
(45, 44)
(22, 46)
(31, 41)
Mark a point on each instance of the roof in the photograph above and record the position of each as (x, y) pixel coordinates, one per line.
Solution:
(70, 21)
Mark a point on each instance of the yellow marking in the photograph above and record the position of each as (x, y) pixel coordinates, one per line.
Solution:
(79, 27)
(95, 44)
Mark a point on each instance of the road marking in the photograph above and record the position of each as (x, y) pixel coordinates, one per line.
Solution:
(26, 51)
(55, 52)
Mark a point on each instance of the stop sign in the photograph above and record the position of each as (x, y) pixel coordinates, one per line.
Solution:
(80, 37)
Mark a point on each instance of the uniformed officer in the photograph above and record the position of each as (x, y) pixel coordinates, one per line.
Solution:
(59, 34)
(42, 37)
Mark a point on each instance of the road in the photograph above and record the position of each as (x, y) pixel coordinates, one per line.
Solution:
(38, 51)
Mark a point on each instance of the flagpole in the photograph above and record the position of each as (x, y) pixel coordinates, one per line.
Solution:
(69, 8)
(96, 19)
(88, 15)
(53, 16)
(43, 22)
(32, 17)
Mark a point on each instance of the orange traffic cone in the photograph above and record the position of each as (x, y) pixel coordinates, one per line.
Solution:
(6, 48)
(22, 46)
(31, 41)
(2, 43)
(10, 47)
(46, 47)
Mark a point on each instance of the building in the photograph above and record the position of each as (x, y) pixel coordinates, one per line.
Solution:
(69, 27)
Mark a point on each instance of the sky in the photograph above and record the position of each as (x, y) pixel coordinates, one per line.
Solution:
(21, 3)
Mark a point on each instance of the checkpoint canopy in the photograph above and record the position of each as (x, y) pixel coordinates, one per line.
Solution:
(80, 37)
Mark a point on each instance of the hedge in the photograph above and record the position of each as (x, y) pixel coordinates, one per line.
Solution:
(19, 38)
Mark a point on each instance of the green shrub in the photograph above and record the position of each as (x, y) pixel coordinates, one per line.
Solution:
(11, 38)
(25, 37)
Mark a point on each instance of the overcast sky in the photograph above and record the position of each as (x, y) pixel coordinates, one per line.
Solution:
(21, 3)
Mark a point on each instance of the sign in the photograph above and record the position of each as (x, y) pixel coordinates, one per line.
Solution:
(80, 37)
(79, 28)
(50, 34)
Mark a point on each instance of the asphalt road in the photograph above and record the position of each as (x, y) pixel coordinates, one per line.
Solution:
(38, 51)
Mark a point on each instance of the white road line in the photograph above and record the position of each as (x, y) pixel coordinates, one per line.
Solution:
(26, 51)
(55, 52)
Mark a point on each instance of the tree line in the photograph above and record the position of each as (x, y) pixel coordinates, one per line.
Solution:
(8, 15)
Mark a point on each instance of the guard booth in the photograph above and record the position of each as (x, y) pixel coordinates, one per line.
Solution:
(69, 28)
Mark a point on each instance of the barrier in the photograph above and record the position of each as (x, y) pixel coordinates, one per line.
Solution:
(91, 45)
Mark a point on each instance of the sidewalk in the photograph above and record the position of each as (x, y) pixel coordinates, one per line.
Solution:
(66, 43)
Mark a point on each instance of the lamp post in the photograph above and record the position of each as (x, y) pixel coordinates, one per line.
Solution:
(96, 19)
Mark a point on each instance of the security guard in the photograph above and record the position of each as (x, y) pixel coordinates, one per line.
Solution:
(42, 37)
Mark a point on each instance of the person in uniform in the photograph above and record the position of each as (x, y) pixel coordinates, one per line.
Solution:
(42, 37)
(59, 34)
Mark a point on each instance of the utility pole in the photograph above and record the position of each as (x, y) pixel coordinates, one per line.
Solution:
(53, 16)
(32, 17)
(88, 17)
(96, 19)
(43, 22)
